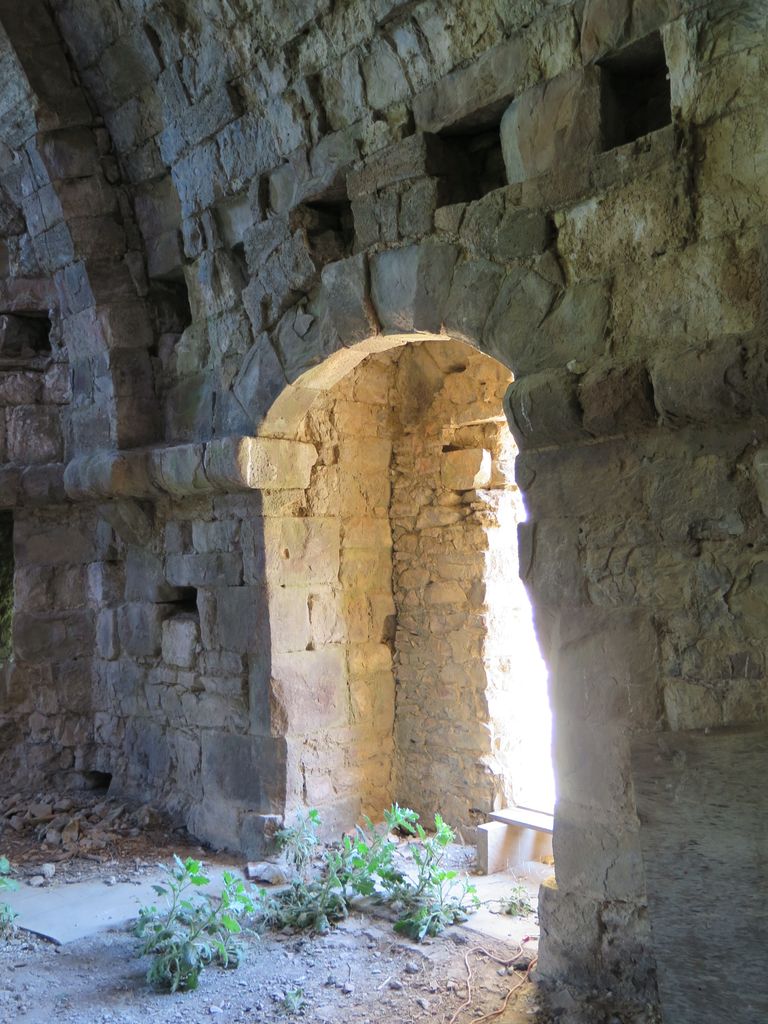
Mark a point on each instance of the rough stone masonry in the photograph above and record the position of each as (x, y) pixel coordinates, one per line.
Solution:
(231, 234)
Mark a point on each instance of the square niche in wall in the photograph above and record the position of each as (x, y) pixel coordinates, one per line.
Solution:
(635, 93)
(474, 150)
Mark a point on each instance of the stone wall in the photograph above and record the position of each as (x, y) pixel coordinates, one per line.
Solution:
(334, 679)
(461, 608)
(47, 717)
(228, 207)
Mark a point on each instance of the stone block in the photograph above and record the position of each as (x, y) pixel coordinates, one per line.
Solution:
(386, 82)
(309, 690)
(139, 629)
(607, 25)
(346, 290)
(302, 552)
(105, 583)
(343, 91)
(57, 388)
(131, 521)
(43, 485)
(549, 478)
(702, 384)
(544, 409)
(616, 399)
(244, 770)
(180, 640)
(570, 936)
(417, 208)
(521, 233)
(68, 543)
(68, 153)
(107, 643)
(473, 94)
(557, 577)
(551, 123)
(189, 409)
(257, 834)
(260, 379)
(303, 341)
(10, 485)
(410, 286)
(599, 858)
(604, 667)
(760, 477)
(467, 469)
(41, 638)
(34, 435)
(194, 569)
(474, 289)
(18, 387)
(144, 577)
(108, 474)
(517, 319)
(418, 156)
(602, 781)
(242, 621)
(178, 470)
(327, 622)
(221, 535)
(246, 148)
(361, 565)
(289, 619)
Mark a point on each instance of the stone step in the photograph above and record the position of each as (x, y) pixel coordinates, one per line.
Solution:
(522, 816)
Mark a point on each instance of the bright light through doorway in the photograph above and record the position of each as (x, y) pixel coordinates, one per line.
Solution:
(521, 718)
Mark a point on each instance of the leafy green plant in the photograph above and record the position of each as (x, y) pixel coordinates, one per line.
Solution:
(364, 864)
(7, 916)
(193, 929)
(316, 905)
(294, 1001)
(439, 896)
(517, 903)
(299, 842)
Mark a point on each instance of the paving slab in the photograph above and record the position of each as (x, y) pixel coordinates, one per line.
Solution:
(66, 913)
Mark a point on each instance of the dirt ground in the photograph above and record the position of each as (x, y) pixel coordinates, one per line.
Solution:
(359, 973)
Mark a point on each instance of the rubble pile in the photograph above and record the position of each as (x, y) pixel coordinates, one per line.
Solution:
(87, 825)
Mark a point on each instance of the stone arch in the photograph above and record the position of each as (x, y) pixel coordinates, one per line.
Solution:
(81, 233)
(531, 322)
(339, 649)
(370, 303)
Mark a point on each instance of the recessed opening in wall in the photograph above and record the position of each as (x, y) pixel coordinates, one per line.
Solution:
(635, 92)
(404, 576)
(474, 150)
(24, 336)
(329, 226)
(97, 781)
(184, 601)
(6, 584)
(170, 303)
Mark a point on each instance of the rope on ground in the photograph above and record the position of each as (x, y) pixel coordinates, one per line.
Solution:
(504, 963)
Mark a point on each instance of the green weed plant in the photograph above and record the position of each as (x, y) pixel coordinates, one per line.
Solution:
(192, 929)
(7, 884)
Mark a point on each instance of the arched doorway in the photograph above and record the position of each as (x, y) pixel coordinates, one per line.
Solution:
(405, 664)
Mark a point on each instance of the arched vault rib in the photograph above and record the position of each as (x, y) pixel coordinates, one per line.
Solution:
(73, 216)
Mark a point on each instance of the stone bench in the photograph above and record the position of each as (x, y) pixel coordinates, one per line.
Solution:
(513, 836)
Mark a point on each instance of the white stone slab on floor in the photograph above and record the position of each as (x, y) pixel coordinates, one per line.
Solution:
(66, 913)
